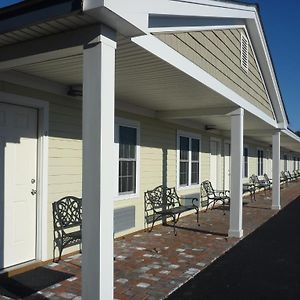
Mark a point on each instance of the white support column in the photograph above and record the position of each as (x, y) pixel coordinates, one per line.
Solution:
(236, 191)
(98, 142)
(276, 171)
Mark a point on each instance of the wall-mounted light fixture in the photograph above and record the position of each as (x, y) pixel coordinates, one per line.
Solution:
(210, 127)
(75, 91)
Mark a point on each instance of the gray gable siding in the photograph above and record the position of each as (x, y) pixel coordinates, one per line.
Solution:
(218, 53)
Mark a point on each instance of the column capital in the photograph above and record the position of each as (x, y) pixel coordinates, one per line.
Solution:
(103, 34)
(237, 112)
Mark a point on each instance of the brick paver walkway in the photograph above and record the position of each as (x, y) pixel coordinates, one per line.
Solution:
(152, 265)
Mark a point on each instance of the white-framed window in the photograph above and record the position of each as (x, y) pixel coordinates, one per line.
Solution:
(246, 162)
(127, 144)
(295, 163)
(285, 162)
(188, 160)
(260, 162)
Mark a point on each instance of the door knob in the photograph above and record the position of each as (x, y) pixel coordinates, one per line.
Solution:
(33, 192)
(32, 180)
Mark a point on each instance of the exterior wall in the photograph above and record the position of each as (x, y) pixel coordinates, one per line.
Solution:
(218, 53)
(158, 141)
(158, 154)
(65, 147)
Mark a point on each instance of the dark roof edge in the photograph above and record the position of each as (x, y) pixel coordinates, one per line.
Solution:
(30, 12)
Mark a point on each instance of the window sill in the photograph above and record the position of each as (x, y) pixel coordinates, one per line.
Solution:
(126, 197)
(188, 187)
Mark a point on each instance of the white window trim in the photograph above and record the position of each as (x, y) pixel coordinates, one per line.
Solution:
(189, 135)
(134, 124)
(244, 177)
(263, 161)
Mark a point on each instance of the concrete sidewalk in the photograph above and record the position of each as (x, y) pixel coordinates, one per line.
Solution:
(153, 265)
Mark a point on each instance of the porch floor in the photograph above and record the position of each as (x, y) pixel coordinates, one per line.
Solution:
(152, 265)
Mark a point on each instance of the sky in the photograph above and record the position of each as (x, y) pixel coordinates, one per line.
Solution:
(280, 19)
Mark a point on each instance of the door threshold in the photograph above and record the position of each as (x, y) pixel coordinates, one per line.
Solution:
(21, 268)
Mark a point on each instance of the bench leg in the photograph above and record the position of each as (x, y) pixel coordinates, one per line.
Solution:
(175, 220)
(54, 247)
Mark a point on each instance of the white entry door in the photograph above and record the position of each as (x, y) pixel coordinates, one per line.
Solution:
(18, 165)
(226, 166)
(214, 164)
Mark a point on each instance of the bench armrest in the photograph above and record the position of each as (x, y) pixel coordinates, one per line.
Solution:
(223, 193)
(190, 198)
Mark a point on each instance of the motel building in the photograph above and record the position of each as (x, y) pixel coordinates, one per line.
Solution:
(106, 99)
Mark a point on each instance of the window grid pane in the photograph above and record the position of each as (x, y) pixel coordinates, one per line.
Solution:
(260, 157)
(195, 173)
(189, 161)
(127, 159)
(245, 162)
(184, 171)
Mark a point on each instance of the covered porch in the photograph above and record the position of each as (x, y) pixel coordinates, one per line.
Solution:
(107, 76)
(154, 265)
(117, 74)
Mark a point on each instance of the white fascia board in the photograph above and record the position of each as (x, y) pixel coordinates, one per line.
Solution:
(166, 53)
(261, 49)
(193, 28)
(292, 135)
(137, 12)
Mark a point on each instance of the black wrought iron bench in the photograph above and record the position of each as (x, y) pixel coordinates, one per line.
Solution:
(259, 184)
(268, 180)
(213, 196)
(290, 176)
(250, 188)
(67, 223)
(283, 177)
(296, 174)
(164, 202)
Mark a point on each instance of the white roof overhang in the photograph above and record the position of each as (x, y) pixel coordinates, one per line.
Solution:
(165, 15)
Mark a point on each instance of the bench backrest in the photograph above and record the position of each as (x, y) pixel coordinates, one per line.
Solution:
(283, 175)
(254, 179)
(154, 199)
(67, 212)
(267, 179)
(207, 189)
(287, 174)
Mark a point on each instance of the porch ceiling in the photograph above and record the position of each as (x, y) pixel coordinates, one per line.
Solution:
(144, 80)
(141, 79)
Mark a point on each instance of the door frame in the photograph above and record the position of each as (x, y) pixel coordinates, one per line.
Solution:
(219, 155)
(42, 167)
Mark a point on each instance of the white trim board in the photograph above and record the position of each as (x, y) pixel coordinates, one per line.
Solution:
(42, 172)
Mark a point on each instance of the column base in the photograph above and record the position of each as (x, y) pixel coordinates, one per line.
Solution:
(276, 207)
(235, 233)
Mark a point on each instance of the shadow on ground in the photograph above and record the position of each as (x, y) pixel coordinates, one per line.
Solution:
(264, 265)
